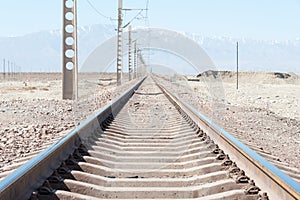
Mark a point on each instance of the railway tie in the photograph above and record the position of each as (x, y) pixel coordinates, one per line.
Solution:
(144, 145)
(148, 150)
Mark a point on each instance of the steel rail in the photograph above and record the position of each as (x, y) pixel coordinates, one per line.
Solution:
(266, 175)
(25, 180)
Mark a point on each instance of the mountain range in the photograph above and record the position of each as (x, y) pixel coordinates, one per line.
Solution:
(41, 51)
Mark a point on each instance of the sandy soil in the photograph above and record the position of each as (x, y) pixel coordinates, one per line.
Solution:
(32, 110)
(265, 110)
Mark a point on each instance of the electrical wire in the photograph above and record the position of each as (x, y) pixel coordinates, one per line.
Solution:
(97, 11)
(135, 17)
(102, 15)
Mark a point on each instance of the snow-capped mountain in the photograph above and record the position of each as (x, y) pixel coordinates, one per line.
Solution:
(42, 51)
(254, 55)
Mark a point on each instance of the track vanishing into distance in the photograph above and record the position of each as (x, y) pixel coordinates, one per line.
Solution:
(147, 144)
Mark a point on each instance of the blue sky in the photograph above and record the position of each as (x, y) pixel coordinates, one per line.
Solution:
(257, 19)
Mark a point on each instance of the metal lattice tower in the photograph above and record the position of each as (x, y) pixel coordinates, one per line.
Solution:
(70, 61)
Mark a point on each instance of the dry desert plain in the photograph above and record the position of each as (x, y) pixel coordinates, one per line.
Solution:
(265, 109)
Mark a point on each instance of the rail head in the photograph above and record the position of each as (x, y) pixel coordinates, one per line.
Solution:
(26, 179)
(270, 178)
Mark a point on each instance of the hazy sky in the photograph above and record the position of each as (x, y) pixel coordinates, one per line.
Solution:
(257, 19)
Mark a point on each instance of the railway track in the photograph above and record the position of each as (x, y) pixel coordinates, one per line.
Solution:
(148, 144)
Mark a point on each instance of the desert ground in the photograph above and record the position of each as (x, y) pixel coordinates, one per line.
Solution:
(264, 109)
(32, 111)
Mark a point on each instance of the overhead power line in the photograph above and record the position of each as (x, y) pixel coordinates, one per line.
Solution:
(135, 17)
(102, 15)
(97, 11)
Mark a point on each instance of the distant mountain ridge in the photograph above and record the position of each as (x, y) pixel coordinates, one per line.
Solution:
(254, 55)
(41, 51)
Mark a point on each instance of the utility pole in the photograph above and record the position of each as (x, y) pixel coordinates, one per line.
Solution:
(70, 60)
(135, 61)
(138, 63)
(20, 73)
(237, 65)
(129, 53)
(8, 69)
(4, 68)
(16, 70)
(120, 44)
(12, 69)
